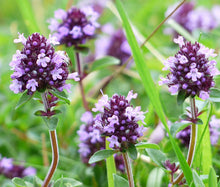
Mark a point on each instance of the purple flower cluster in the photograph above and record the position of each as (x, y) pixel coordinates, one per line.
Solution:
(191, 71)
(214, 128)
(112, 40)
(192, 18)
(118, 120)
(9, 170)
(90, 137)
(92, 141)
(74, 26)
(37, 66)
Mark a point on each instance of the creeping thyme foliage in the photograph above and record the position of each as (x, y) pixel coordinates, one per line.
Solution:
(191, 71)
(118, 120)
(74, 26)
(37, 66)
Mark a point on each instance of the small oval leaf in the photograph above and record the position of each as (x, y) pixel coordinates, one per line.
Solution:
(104, 62)
(68, 182)
(101, 155)
(51, 122)
(181, 97)
(214, 95)
(61, 95)
(23, 100)
(18, 182)
(145, 145)
(197, 180)
(120, 181)
(132, 151)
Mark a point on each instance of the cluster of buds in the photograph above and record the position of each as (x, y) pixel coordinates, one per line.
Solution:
(38, 67)
(10, 170)
(74, 26)
(191, 71)
(118, 120)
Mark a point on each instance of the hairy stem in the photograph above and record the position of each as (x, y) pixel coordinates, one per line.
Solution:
(127, 163)
(55, 158)
(192, 144)
(85, 104)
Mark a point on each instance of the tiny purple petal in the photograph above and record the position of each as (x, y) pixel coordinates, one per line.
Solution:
(204, 95)
(89, 30)
(21, 39)
(74, 76)
(113, 141)
(32, 84)
(131, 96)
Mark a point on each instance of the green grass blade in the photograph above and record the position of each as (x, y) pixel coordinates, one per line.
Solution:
(150, 86)
(203, 154)
(111, 169)
(27, 13)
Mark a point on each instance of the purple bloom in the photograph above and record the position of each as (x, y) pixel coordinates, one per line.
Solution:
(190, 69)
(37, 66)
(91, 140)
(191, 18)
(112, 40)
(214, 128)
(10, 170)
(74, 26)
(119, 119)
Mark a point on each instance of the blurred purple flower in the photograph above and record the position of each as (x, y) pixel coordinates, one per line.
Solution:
(191, 18)
(74, 26)
(10, 170)
(112, 40)
(91, 140)
(37, 66)
(214, 129)
(190, 69)
(119, 119)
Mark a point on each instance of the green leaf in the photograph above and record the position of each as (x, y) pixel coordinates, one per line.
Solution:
(197, 181)
(176, 127)
(199, 122)
(150, 87)
(18, 182)
(67, 182)
(110, 165)
(212, 178)
(181, 97)
(132, 151)
(51, 122)
(61, 95)
(23, 100)
(38, 113)
(33, 180)
(144, 145)
(214, 95)
(157, 156)
(219, 183)
(120, 181)
(104, 62)
(101, 155)
(155, 177)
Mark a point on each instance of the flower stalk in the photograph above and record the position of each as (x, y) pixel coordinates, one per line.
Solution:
(54, 145)
(85, 104)
(192, 144)
(127, 163)
(55, 158)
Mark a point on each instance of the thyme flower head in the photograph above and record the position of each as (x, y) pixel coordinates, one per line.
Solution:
(37, 66)
(191, 71)
(118, 120)
(74, 26)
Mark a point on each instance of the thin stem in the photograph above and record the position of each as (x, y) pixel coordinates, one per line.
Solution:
(85, 104)
(127, 163)
(55, 158)
(45, 101)
(192, 144)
